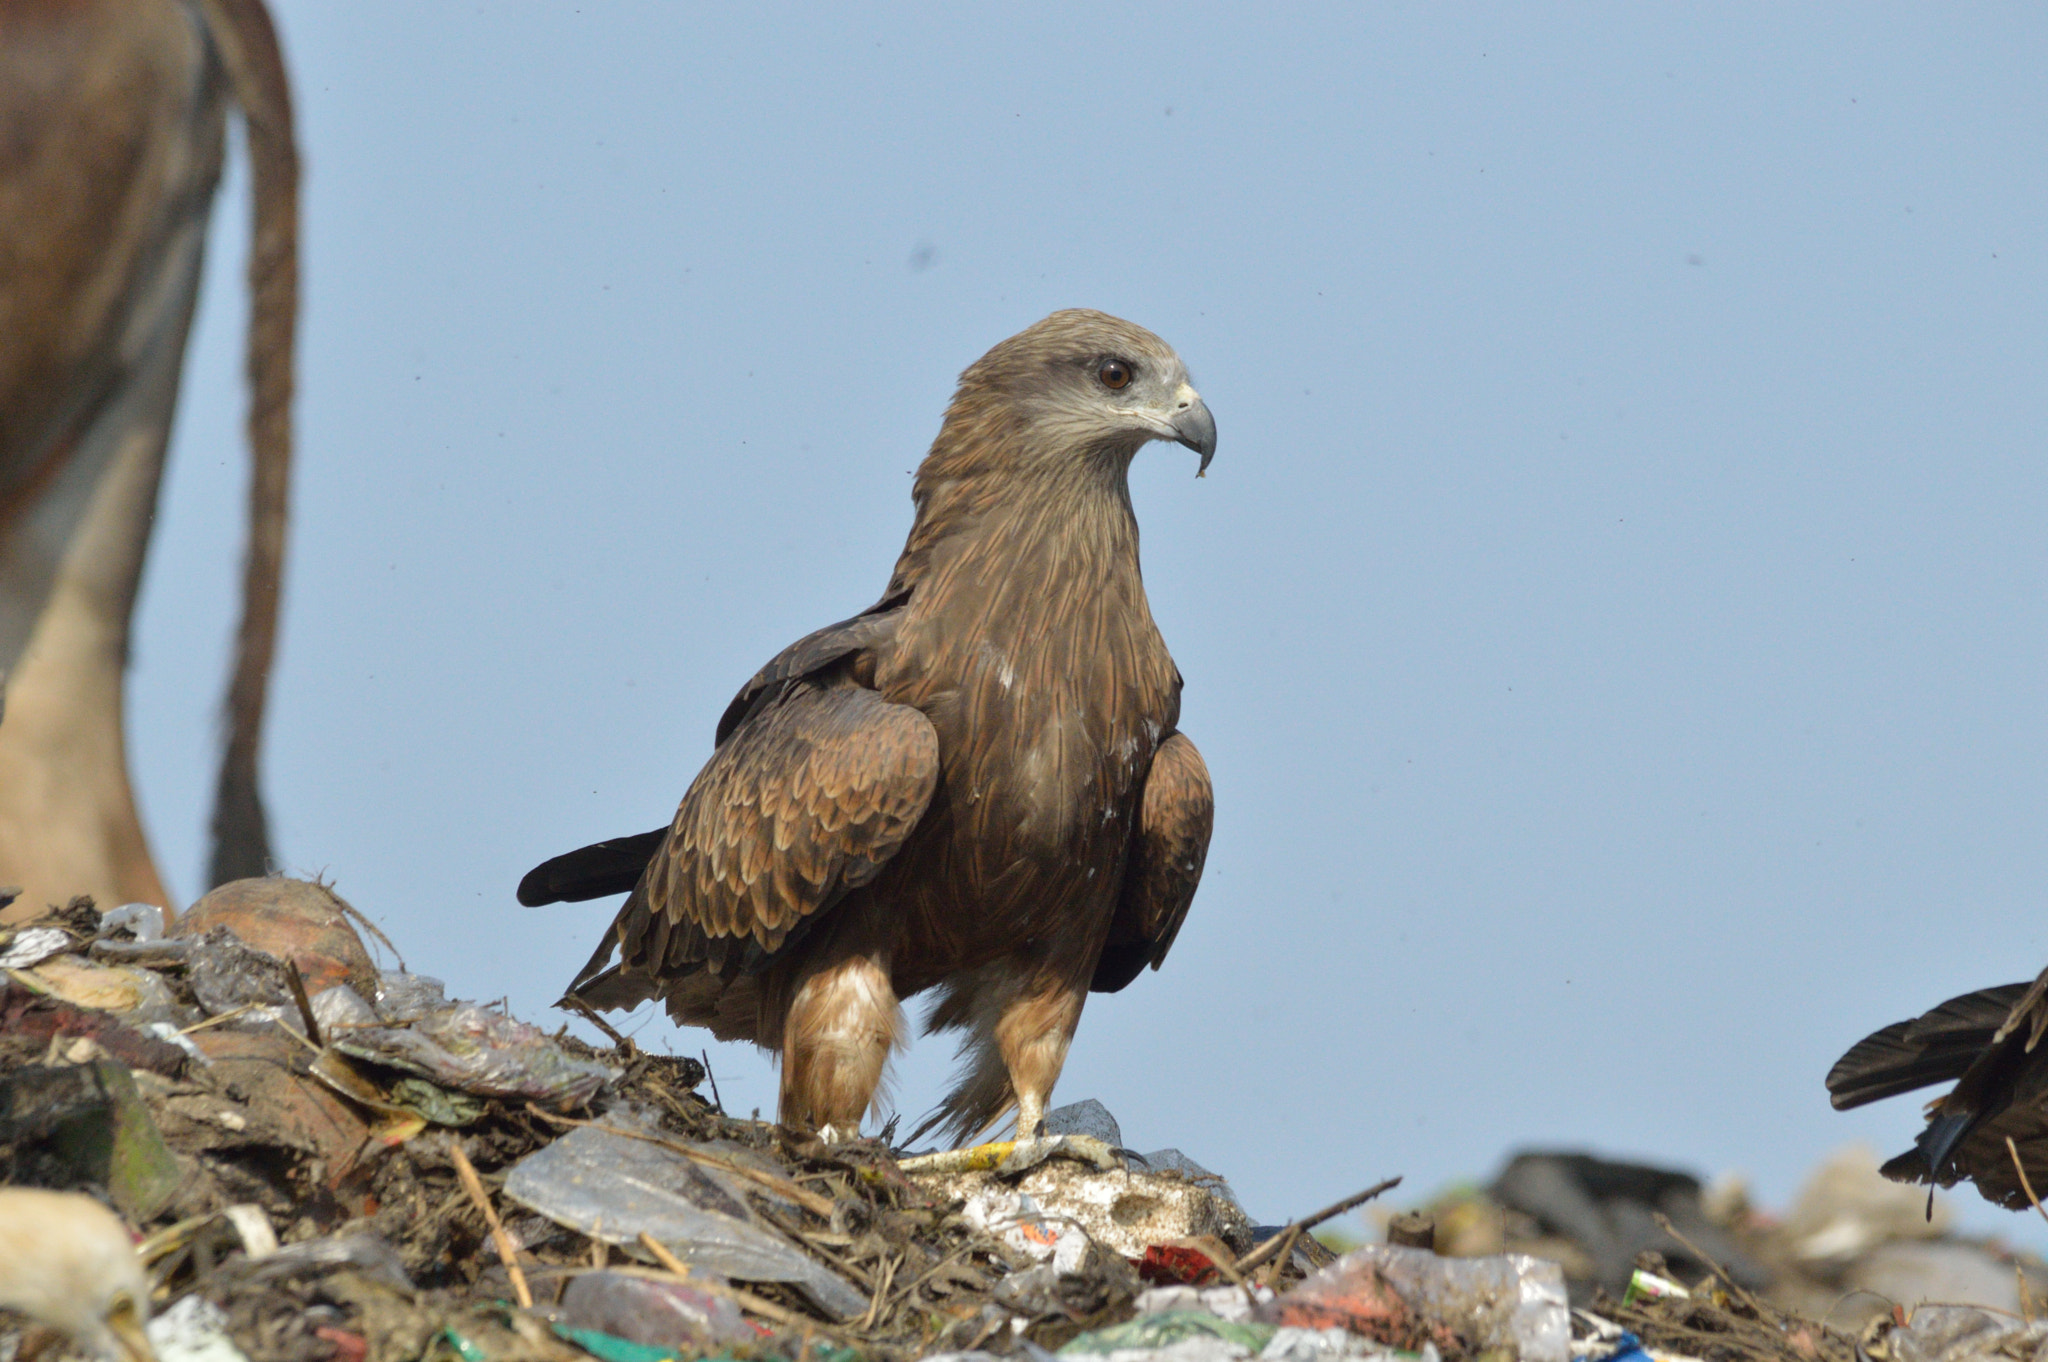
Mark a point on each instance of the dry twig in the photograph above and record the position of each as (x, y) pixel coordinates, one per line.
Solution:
(298, 985)
(2025, 1186)
(218, 1018)
(1286, 1239)
(571, 1003)
(662, 1255)
(881, 1296)
(507, 1255)
(1735, 1288)
(1283, 1256)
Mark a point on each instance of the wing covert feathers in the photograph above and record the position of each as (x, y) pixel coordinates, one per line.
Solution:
(808, 798)
(1168, 847)
(813, 652)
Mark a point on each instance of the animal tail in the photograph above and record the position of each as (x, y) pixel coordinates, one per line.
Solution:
(981, 1098)
(246, 37)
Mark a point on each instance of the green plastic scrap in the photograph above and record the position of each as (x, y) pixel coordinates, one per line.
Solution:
(611, 1348)
(464, 1348)
(1168, 1328)
(830, 1352)
(442, 1106)
(118, 1145)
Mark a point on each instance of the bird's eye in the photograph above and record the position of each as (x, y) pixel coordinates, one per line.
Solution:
(1114, 373)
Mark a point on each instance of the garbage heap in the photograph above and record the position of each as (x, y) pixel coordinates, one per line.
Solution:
(1868, 1256)
(325, 1161)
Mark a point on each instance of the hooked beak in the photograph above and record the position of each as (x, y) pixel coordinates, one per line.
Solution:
(1193, 426)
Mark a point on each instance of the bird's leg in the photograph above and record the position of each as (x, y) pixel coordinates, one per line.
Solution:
(1033, 1035)
(1021, 1019)
(843, 1021)
(1030, 1117)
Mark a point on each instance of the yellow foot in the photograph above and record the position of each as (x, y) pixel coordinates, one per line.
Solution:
(1017, 1156)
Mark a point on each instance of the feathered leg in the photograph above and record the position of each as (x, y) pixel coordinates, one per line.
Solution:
(1019, 1018)
(1033, 1036)
(843, 1021)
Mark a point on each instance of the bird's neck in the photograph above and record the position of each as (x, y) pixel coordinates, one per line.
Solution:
(1065, 528)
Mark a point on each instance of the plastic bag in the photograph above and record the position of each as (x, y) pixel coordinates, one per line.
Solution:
(479, 1051)
(1406, 1298)
(662, 1314)
(615, 1187)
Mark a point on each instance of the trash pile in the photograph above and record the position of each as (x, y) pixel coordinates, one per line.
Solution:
(327, 1161)
(1859, 1267)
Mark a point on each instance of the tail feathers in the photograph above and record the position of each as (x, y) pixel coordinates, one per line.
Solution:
(971, 1003)
(593, 872)
(1885, 1064)
(1910, 1166)
(1978, 1017)
(1937, 1143)
(1882, 1064)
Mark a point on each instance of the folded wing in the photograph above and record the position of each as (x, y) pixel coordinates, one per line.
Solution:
(815, 787)
(1168, 847)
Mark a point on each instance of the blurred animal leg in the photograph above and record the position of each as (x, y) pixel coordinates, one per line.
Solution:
(68, 823)
(843, 1021)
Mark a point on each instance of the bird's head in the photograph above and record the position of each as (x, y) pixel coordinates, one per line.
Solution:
(1083, 382)
(125, 1325)
(67, 1261)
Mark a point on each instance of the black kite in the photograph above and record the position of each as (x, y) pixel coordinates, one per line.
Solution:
(974, 785)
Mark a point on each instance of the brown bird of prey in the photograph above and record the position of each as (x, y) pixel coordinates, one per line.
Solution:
(1989, 1044)
(974, 785)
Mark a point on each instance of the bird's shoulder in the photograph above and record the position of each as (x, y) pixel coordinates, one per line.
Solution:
(850, 641)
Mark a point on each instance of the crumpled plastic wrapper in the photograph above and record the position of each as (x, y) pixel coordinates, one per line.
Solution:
(483, 1052)
(615, 1187)
(1405, 1297)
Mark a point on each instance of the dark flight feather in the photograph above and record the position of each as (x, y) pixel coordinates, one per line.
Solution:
(592, 872)
(1986, 1042)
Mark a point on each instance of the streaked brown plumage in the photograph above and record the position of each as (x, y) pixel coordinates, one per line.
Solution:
(975, 785)
(1989, 1043)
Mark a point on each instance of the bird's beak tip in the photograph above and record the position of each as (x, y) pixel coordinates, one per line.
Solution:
(1194, 427)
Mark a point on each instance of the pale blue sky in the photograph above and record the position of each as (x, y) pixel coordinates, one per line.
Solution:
(1614, 618)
